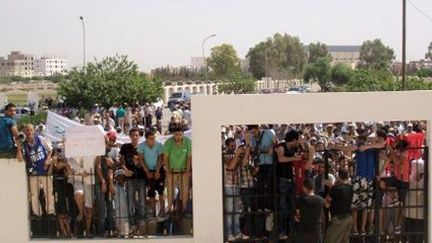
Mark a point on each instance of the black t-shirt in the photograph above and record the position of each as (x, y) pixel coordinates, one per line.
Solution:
(310, 211)
(285, 170)
(341, 196)
(129, 151)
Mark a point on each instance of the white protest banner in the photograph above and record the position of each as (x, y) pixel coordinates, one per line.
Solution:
(84, 141)
(56, 126)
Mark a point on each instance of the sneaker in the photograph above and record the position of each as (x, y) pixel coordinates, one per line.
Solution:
(355, 233)
(283, 237)
(267, 210)
(231, 238)
(398, 230)
(242, 237)
(371, 231)
(363, 233)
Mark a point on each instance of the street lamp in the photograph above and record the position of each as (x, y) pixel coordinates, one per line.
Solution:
(83, 29)
(203, 52)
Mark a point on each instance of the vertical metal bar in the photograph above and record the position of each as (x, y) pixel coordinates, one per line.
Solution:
(275, 198)
(326, 171)
(378, 197)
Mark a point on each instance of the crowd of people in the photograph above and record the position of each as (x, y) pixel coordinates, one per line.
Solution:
(117, 194)
(327, 182)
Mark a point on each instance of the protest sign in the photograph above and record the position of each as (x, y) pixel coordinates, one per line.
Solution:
(84, 141)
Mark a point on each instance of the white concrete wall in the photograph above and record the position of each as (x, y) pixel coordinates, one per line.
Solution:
(209, 113)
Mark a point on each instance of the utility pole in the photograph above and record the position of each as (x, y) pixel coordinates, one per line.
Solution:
(84, 41)
(403, 43)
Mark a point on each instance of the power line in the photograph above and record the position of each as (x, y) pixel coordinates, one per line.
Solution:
(420, 11)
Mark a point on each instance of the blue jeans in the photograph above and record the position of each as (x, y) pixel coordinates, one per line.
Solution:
(286, 204)
(232, 210)
(136, 200)
(121, 210)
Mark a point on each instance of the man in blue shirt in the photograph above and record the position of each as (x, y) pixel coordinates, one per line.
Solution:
(37, 154)
(9, 135)
(150, 153)
(366, 162)
(261, 142)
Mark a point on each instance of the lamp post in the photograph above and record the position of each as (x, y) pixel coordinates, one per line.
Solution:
(203, 53)
(83, 35)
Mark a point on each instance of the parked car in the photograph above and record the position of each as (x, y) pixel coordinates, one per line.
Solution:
(297, 90)
(178, 97)
(21, 112)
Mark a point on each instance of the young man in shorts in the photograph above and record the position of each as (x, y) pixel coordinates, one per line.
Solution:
(150, 153)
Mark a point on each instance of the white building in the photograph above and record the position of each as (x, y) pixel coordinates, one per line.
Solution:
(48, 66)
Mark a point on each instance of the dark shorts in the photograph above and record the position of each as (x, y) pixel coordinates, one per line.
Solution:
(156, 185)
(363, 192)
(401, 187)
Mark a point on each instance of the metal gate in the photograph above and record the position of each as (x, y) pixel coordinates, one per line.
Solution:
(265, 212)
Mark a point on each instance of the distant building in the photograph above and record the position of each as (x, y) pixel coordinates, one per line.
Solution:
(348, 55)
(27, 65)
(48, 66)
(416, 65)
(198, 62)
(17, 64)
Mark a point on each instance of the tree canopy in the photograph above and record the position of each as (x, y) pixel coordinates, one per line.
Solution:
(317, 50)
(223, 61)
(237, 83)
(375, 55)
(319, 71)
(111, 80)
(279, 57)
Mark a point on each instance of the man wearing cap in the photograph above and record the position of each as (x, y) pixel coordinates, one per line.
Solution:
(10, 147)
(104, 186)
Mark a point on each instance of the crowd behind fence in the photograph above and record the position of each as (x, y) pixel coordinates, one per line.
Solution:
(140, 187)
(316, 187)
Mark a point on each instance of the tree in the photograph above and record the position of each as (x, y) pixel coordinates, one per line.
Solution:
(340, 74)
(317, 50)
(428, 54)
(223, 61)
(319, 71)
(111, 80)
(424, 73)
(364, 80)
(280, 57)
(414, 83)
(375, 55)
(237, 83)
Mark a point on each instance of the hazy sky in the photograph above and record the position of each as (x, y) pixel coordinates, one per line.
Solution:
(160, 32)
